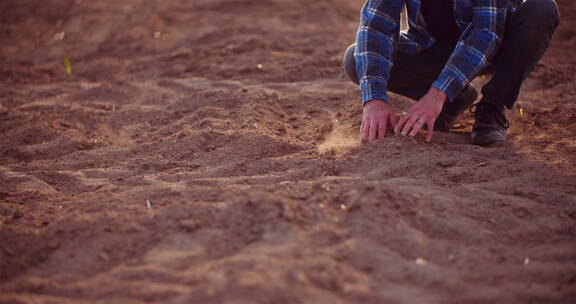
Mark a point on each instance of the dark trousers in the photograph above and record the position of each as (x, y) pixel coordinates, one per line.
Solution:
(526, 38)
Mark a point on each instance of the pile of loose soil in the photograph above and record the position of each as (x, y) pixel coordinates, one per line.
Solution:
(205, 152)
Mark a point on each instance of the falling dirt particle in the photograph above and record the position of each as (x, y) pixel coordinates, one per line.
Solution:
(259, 66)
(337, 142)
(451, 257)
(148, 204)
(157, 35)
(526, 261)
(420, 261)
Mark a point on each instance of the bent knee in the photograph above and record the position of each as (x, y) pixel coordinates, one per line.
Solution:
(349, 63)
(349, 56)
(542, 12)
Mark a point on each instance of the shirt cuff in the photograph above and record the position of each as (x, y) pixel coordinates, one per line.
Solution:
(373, 89)
(449, 86)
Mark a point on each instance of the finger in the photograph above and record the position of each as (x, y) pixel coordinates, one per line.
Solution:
(430, 125)
(409, 125)
(373, 130)
(393, 120)
(417, 126)
(382, 129)
(365, 129)
(401, 123)
(360, 134)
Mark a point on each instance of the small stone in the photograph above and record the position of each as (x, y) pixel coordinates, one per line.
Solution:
(446, 163)
(189, 225)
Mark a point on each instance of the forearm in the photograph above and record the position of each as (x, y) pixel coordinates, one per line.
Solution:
(437, 95)
(477, 45)
(466, 62)
(375, 46)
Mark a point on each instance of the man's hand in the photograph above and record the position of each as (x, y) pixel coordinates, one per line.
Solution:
(375, 120)
(424, 112)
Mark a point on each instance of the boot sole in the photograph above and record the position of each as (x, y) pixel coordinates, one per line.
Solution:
(485, 141)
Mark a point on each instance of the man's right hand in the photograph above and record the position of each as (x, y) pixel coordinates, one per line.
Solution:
(377, 114)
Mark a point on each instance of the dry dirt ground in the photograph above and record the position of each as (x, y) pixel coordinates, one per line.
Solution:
(204, 151)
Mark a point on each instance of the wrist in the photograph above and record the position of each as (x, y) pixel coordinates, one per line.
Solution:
(374, 101)
(438, 95)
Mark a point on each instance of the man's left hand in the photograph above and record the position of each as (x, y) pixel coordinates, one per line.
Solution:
(424, 112)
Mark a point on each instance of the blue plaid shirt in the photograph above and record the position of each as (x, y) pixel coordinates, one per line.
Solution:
(481, 22)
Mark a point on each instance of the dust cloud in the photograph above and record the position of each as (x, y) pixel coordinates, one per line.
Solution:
(338, 141)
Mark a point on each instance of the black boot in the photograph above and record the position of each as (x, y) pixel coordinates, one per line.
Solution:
(452, 110)
(490, 124)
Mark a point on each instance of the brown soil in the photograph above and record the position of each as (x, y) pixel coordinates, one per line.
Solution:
(233, 121)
